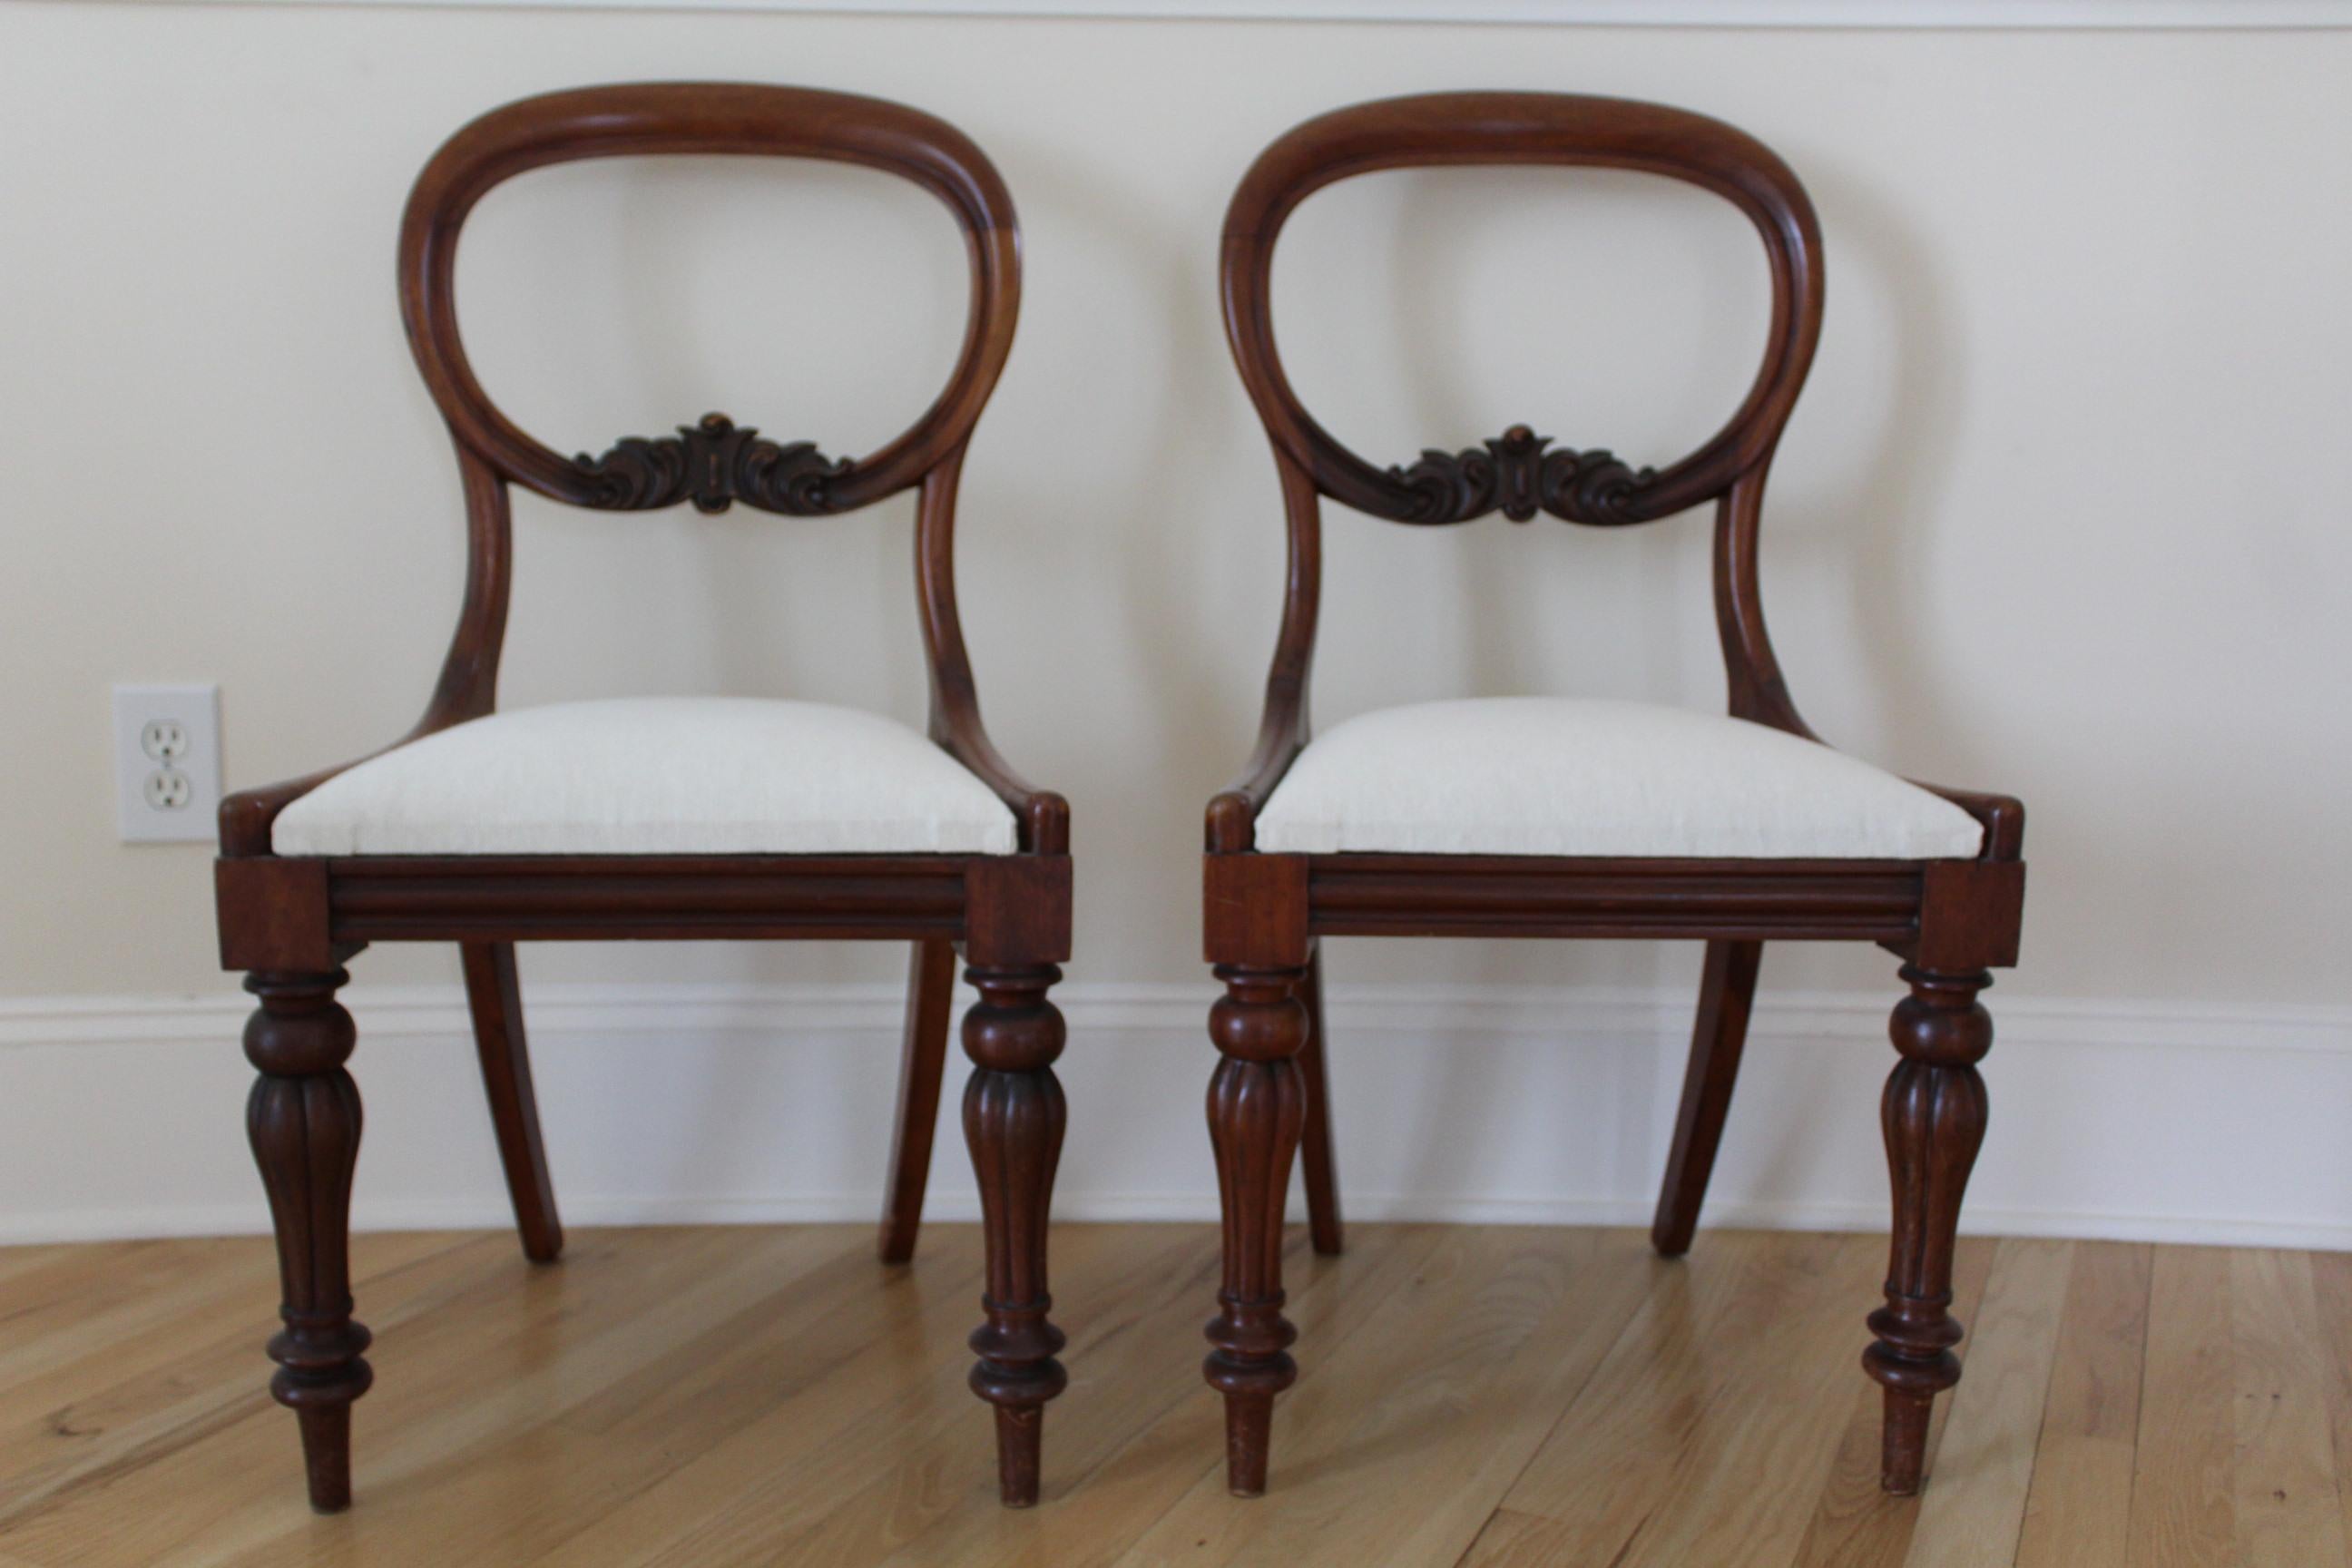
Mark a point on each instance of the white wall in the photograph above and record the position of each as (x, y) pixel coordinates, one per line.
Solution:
(2062, 514)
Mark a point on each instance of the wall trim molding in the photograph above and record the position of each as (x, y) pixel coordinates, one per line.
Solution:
(1124, 1014)
(2099, 16)
(163, 1053)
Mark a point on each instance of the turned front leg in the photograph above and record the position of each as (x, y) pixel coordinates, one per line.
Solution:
(1934, 1115)
(1013, 1119)
(304, 1123)
(1256, 1106)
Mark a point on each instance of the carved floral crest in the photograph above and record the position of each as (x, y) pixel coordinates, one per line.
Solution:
(1515, 474)
(712, 464)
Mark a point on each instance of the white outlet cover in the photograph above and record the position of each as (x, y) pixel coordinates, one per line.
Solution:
(174, 797)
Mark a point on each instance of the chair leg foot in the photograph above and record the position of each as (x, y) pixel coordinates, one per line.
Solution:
(1934, 1117)
(1012, 1119)
(1903, 1454)
(327, 1455)
(1249, 1428)
(1020, 1443)
(1257, 1108)
(303, 1121)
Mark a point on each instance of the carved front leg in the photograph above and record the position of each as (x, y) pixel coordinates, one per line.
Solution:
(304, 1123)
(1934, 1114)
(1012, 1118)
(1257, 1104)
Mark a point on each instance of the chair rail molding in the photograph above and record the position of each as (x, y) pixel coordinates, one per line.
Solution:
(2232, 1142)
(2087, 15)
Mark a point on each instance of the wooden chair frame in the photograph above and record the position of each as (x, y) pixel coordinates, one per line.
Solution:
(293, 922)
(1949, 920)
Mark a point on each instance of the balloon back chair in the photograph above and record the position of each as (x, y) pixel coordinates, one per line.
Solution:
(1540, 817)
(673, 818)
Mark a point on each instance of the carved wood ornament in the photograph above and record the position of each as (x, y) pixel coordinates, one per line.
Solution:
(713, 464)
(1519, 474)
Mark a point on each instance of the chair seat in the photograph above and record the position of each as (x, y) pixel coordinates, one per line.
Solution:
(670, 775)
(1571, 776)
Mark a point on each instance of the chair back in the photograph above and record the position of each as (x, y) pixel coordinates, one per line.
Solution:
(713, 463)
(1520, 473)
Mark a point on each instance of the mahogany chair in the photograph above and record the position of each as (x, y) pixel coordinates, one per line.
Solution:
(669, 819)
(1535, 817)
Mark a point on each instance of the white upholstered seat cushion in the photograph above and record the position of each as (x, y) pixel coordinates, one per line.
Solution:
(1539, 776)
(656, 775)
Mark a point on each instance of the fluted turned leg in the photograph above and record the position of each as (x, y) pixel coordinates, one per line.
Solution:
(1934, 1115)
(1257, 1108)
(304, 1123)
(1013, 1119)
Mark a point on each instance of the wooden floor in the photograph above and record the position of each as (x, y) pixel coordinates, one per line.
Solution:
(1483, 1396)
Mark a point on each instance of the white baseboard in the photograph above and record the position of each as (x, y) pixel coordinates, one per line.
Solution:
(674, 1104)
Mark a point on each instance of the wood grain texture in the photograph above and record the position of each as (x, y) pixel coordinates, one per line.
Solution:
(1629, 1457)
(1855, 1521)
(1483, 1396)
(2184, 1495)
(2079, 1509)
(1486, 1341)
(2331, 1274)
(2289, 1503)
(1994, 1429)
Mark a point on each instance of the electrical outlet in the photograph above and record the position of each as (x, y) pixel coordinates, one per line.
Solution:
(167, 763)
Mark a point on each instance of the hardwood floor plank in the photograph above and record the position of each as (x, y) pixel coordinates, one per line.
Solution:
(2331, 1278)
(2183, 1506)
(1761, 1450)
(1412, 1429)
(2289, 1510)
(897, 1461)
(507, 1344)
(1971, 1517)
(1856, 1524)
(2078, 1514)
(58, 1378)
(82, 1427)
(1478, 1396)
(1608, 1475)
(526, 1439)
(848, 1536)
(1144, 1464)
(15, 1262)
(1506, 1535)
(1141, 1370)
(98, 1299)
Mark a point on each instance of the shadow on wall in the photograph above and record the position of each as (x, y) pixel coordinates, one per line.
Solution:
(1168, 592)
(1876, 517)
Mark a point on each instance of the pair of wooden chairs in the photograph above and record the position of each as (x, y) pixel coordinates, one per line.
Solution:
(735, 820)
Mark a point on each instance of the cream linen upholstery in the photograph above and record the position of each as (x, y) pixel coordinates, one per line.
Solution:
(1540, 775)
(656, 775)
